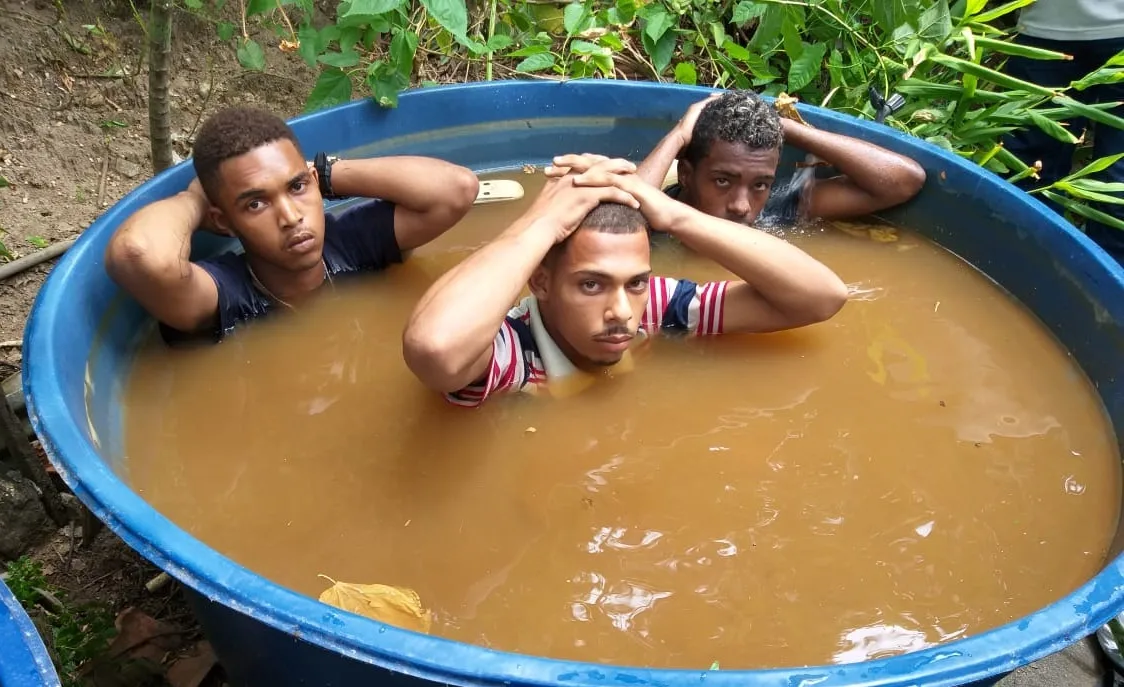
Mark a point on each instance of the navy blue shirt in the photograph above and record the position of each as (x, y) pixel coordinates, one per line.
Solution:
(358, 239)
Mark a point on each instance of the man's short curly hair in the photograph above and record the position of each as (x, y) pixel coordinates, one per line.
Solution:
(232, 132)
(735, 117)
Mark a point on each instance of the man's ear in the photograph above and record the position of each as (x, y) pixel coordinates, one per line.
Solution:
(686, 170)
(218, 222)
(539, 283)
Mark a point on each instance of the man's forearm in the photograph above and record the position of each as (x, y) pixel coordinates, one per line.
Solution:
(456, 320)
(872, 168)
(784, 275)
(157, 239)
(415, 183)
(654, 168)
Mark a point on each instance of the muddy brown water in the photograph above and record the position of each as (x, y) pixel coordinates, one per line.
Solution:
(927, 465)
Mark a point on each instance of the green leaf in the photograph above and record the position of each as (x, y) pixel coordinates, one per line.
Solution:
(973, 7)
(987, 74)
(1009, 48)
(805, 69)
(1098, 165)
(988, 17)
(576, 18)
(193, 4)
(1084, 210)
(581, 47)
(529, 50)
(333, 87)
(500, 42)
(369, 7)
(661, 51)
(260, 7)
(310, 44)
(348, 38)
(685, 74)
(251, 56)
(1053, 128)
(343, 60)
(625, 11)
(768, 28)
(890, 14)
(935, 23)
(612, 41)
(714, 666)
(658, 21)
(450, 14)
(1105, 75)
(385, 81)
(536, 63)
(4, 183)
(793, 46)
(225, 30)
(718, 32)
(1083, 110)
(747, 10)
(1099, 186)
(735, 51)
(402, 49)
(38, 241)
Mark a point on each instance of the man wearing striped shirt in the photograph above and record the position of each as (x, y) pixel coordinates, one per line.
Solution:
(583, 250)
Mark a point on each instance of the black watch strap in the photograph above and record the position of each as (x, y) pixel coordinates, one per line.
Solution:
(323, 165)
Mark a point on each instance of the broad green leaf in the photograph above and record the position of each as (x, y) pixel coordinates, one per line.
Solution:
(251, 56)
(625, 11)
(1098, 165)
(402, 49)
(310, 44)
(369, 7)
(499, 42)
(348, 38)
(612, 41)
(685, 74)
(768, 28)
(343, 60)
(450, 14)
(793, 46)
(935, 23)
(735, 51)
(193, 4)
(529, 50)
(4, 182)
(385, 82)
(260, 7)
(973, 7)
(1052, 128)
(333, 87)
(890, 14)
(536, 62)
(576, 18)
(581, 47)
(658, 21)
(604, 64)
(225, 30)
(835, 68)
(748, 10)
(718, 32)
(661, 51)
(988, 17)
(807, 67)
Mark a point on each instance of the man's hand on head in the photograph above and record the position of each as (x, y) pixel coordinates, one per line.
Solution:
(565, 203)
(661, 210)
(686, 126)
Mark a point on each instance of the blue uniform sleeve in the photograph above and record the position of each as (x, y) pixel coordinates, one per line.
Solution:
(361, 238)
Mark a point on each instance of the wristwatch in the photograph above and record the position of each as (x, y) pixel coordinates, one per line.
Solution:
(323, 165)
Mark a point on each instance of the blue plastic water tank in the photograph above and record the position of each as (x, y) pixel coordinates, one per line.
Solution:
(82, 331)
(24, 661)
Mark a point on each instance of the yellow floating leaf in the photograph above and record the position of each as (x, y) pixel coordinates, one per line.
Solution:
(883, 234)
(290, 46)
(392, 605)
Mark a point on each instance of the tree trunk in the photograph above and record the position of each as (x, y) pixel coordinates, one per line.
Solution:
(159, 64)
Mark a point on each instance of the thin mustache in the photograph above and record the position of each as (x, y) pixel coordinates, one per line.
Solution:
(615, 331)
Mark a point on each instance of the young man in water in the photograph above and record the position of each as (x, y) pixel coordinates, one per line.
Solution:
(728, 149)
(583, 249)
(253, 183)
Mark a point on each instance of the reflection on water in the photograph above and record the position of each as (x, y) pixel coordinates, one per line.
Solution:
(925, 466)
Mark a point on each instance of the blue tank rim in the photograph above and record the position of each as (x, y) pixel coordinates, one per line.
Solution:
(26, 661)
(220, 579)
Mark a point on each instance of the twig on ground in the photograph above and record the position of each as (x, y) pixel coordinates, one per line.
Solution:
(155, 584)
(18, 99)
(14, 343)
(104, 174)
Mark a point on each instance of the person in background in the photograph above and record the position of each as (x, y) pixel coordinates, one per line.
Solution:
(583, 249)
(1092, 31)
(728, 149)
(254, 183)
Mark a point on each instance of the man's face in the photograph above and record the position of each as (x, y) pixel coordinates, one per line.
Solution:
(593, 294)
(270, 200)
(731, 182)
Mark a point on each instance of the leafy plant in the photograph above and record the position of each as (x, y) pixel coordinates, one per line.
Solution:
(945, 60)
(79, 632)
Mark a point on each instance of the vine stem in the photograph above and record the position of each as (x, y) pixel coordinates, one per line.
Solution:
(491, 32)
(283, 16)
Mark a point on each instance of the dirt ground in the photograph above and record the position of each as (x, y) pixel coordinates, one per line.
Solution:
(73, 140)
(74, 119)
